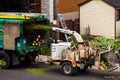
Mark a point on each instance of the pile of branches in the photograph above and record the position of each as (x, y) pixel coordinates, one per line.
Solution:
(103, 43)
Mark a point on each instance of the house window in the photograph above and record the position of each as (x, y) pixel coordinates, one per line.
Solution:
(31, 1)
(34, 5)
(118, 15)
(28, 2)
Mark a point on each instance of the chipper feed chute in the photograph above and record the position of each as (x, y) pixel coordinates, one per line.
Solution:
(106, 61)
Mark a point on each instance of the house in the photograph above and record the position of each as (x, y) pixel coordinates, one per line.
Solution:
(100, 17)
(41, 6)
(34, 5)
(68, 8)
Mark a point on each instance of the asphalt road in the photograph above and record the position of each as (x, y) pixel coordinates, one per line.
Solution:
(54, 73)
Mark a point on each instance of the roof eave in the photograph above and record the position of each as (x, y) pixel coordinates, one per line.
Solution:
(117, 7)
(102, 0)
(84, 2)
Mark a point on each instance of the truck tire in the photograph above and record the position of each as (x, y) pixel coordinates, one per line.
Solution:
(5, 57)
(67, 69)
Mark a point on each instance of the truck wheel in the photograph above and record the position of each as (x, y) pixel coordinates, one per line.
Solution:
(67, 69)
(6, 60)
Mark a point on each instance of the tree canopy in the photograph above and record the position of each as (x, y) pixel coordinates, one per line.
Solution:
(13, 6)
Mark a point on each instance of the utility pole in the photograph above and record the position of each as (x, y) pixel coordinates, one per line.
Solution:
(56, 9)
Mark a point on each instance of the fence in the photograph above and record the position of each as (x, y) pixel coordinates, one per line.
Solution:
(71, 24)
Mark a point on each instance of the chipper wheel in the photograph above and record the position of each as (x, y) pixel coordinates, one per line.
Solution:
(5, 60)
(68, 69)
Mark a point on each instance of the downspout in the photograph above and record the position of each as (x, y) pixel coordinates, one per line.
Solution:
(115, 24)
(79, 18)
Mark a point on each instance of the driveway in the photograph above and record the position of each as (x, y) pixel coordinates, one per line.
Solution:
(48, 72)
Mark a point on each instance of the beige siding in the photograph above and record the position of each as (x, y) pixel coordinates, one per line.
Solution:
(99, 16)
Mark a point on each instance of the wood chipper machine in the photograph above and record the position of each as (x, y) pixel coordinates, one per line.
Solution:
(76, 55)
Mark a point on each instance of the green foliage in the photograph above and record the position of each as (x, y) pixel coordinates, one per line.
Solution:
(108, 77)
(75, 41)
(38, 71)
(104, 64)
(2, 63)
(103, 43)
(45, 51)
(37, 27)
(88, 37)
(85, 37)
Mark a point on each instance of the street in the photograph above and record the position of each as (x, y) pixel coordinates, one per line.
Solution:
(48, 72)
